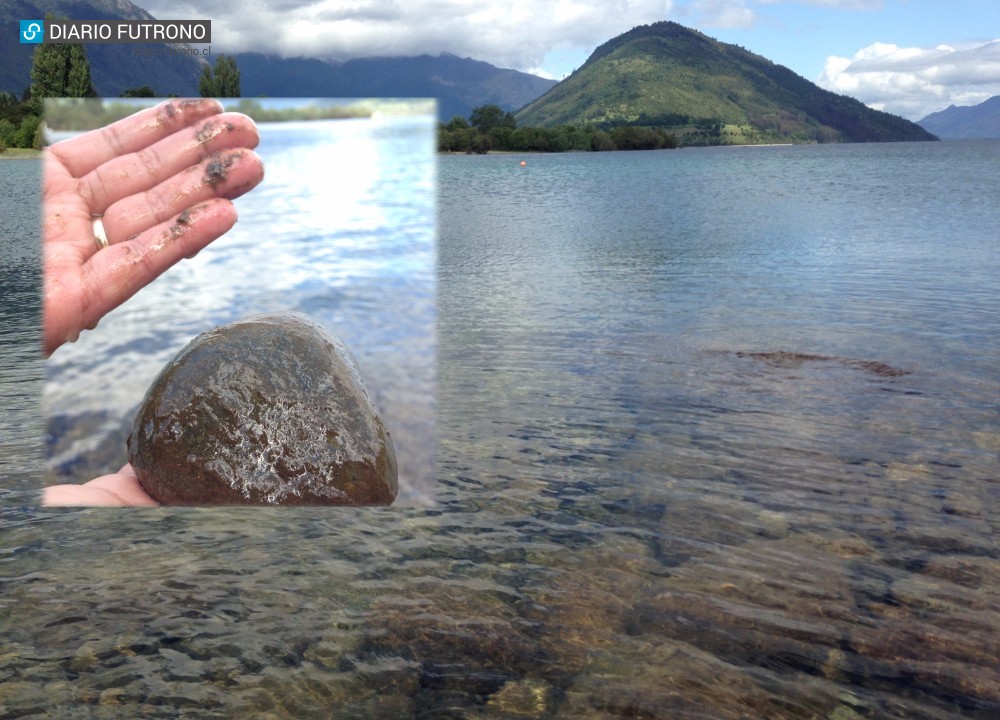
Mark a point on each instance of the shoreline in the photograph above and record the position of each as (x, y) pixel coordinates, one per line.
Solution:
(568, 152)
(20, 154)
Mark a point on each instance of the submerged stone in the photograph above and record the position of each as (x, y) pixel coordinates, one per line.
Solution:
(268, 410)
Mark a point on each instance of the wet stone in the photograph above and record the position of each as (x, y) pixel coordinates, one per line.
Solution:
(268, 410)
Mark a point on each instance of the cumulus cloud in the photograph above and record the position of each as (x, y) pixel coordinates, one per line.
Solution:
(913, 81)
(512, 33)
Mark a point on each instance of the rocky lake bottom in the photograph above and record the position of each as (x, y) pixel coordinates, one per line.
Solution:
(691, 460)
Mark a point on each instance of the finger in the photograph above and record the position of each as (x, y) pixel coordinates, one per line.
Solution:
(226, 174)
(125, 486)
(79, 496)
(113, 275)
(119, 489)
(118, 272)
(124, 176)
(85, 152)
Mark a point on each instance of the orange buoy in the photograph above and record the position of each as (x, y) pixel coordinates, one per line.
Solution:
(523, 163)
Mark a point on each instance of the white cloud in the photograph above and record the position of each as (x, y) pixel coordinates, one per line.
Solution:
(914, 82)
(513, 33)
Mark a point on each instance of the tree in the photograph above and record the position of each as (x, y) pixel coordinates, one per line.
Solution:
(143, 91)
(26, 134)
(500, 137)
(78, 83)
(486, 117)
(7, 132)
(38, 138)
(206, 83)
(480, 144)
(223, 82)
(227, 75)
(443, 138)
(59, 70)
(456, 123)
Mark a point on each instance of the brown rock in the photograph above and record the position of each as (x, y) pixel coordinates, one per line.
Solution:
(269, 410)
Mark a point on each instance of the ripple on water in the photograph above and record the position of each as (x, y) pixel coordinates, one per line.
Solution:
(628, 523)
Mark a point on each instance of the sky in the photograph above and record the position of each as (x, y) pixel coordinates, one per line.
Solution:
(907, 57)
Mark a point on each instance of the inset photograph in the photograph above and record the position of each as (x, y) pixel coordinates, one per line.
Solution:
(239, 302)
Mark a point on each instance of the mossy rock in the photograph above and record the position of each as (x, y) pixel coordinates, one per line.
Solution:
(268, 410)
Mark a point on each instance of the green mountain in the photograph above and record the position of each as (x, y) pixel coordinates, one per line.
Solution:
(708, 92)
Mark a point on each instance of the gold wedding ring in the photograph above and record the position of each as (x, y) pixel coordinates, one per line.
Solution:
(99, 236)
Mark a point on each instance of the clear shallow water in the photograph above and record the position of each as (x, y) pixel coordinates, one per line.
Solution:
(342, 229)
(718, 437)
(763, 383)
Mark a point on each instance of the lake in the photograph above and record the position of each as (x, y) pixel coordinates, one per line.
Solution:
(21, 373)
(718, 435)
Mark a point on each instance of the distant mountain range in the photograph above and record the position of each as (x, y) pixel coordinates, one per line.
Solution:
(459, 84)
(662, 74)
(666, 74)
(966, 123)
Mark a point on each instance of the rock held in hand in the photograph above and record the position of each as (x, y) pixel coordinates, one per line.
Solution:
(268, 410)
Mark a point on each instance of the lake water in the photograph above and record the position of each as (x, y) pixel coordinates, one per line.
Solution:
(21, 449)
(718, 435)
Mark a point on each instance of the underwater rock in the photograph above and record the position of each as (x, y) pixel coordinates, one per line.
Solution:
(268, 410)
(782, 358)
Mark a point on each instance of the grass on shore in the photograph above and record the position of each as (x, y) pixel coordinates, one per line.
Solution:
(20, 154)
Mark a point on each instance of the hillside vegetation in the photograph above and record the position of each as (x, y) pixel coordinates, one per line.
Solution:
(707, 92)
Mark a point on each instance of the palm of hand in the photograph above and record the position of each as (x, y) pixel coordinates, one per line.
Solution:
(162, 181)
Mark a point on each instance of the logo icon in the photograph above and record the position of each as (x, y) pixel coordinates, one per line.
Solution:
(32, 31)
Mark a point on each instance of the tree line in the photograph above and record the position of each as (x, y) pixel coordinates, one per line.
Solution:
(489, 127)
(63, 71)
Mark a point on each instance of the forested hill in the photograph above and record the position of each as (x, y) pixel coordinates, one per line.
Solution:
(669, 76)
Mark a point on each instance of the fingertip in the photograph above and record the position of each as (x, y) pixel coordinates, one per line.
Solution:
(218, 213)
(234, 172)
(177, 113)
(251, 125)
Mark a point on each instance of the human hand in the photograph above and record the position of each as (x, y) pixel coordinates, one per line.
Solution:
(121, 489)
(161, 181)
